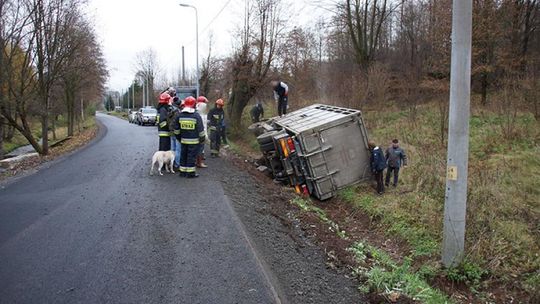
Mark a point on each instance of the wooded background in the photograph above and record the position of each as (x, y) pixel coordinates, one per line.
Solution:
(51, 66)
(370, 53)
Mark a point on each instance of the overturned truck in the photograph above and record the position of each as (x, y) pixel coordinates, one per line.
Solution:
(317, 150)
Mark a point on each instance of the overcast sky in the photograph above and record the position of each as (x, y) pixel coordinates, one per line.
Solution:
(126, 27)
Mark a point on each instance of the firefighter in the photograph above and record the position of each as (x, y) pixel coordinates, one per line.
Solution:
(189, 130)
(215, 125)
(202, 109)
(164, 110)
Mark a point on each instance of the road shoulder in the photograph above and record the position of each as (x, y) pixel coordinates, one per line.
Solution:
(298, 268)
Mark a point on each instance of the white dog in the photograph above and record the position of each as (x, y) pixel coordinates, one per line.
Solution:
(163, 157)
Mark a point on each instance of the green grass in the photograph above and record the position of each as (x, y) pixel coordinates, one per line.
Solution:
(383, 274)
(503, 209)
(19, 140)
(305, 205)
(503, 212)
(61, 132)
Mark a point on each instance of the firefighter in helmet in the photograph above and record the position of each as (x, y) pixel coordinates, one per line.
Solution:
(164, 109)
(216, 117)
(189, 130)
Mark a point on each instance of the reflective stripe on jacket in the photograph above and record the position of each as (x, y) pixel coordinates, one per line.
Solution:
(189, 128)
(215, 118)
(163, 128)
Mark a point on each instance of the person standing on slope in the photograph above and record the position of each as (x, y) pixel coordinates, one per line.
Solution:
(281, 95)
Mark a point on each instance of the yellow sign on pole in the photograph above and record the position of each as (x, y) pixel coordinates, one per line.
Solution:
(451, 173)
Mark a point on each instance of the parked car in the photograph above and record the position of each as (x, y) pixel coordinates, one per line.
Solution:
(317, 150)
(146, 116)
(132, 114)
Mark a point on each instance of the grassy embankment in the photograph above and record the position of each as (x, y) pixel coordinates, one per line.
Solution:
(502, 240)
(503, 212)
(61, 132)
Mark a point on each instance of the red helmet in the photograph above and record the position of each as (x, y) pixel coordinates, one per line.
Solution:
(220, 102)
(164, 98)
(190, 102)
(202, 99)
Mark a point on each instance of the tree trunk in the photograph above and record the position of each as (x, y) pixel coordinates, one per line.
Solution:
(2, 128)
(70, 113)
(45, 133)
(9, 132)
(53, 127)
(484, 88)
(70, 122)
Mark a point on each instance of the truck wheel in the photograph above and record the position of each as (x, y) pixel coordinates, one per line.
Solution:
(267, 147)
(266, 137)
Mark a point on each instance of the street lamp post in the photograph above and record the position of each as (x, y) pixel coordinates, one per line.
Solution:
(196, 41)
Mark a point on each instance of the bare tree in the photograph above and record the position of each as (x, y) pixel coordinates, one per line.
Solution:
(252, 60)
(17, 75)
(50, 23)
(365, 19)
(84, 72)
(37, 40)
(147, 67)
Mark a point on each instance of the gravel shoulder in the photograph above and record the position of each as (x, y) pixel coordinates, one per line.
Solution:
(302, 272)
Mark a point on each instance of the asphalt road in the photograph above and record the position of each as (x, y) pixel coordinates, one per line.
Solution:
(96, 228)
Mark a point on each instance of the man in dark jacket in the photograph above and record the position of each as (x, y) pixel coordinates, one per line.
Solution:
(378, 164)
(281, 95)
(257, 112)
(216, 118)
(395, 157)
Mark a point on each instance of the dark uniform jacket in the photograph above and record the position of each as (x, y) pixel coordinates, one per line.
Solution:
(215, 119)
(163, 125)
(189, 128)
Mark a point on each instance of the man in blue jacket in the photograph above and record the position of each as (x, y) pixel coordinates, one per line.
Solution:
(395, 157)
(378, 164)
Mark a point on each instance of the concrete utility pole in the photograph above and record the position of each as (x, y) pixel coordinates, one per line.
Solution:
(196, 41)
(144, 94)
(455, 203)
(183, 68)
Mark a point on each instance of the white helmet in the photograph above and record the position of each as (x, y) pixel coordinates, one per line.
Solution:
(171, 91)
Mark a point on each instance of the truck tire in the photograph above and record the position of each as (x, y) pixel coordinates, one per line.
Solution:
(267, 137)
(267, 147)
